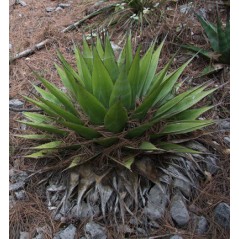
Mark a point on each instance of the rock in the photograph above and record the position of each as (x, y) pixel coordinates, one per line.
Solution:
(11, 201)
(179, 211)
(22, 3)
(176, 237)
(20, 195)
(68, 233)
(24, 235)
(58, 9)
(202, 12)
(15, 103)
(227, 140)
(202, 225)
(157, 201)
(95, 231)
(115, 47)
(211, 164)
(50, 9)
(40, 231)
(85, 211)
(166, 179)
(222, 215)
(16, 186)
(224, 124)
(10, 46)
(183, 186)
(64, 5)
(186, 8)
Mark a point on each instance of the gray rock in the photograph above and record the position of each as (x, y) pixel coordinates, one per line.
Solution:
(95, 231)
(211, 164)
(115, 47)
(200, 224)
(85, 211)
(15, 103)
(227, 140)
(16, 186)
(166, 179)
(22, 3)
(222, 215)
(64, 5)
(179, 211)
(157, 201)
(58, 9)
(20, 195)
(11, 201)
(224, 124)
(183, 186)
(202, 12)
(24, 235)
(186, 8)
(176, 237)
(68, 233)
(50, 9)
(10, 46)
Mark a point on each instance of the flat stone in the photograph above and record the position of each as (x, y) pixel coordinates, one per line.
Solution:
(227, 140)
(224, 124)
(200, 224)
(20, 195)
(222, 215)
(10, 46)
(115, 47)
(64, 5)
(179, 211)
(183, 186)
(58, 9)
(95, 231)
(211, 164)
(50, 9)
(176, 237)
(85, 211)
(16, 186)
(202, 12)
(24, 235)
(68, 233)
(15, 103)
(156, 204)
(185, 8)
(22, 3)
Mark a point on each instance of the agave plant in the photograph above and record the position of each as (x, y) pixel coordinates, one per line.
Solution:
(113, 111)
(219, 39)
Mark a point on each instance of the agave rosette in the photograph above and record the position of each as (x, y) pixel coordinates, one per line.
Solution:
(122, 104)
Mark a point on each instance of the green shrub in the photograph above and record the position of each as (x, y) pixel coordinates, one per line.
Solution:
(123, 107)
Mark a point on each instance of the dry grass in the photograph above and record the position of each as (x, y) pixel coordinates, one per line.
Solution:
(32, 24)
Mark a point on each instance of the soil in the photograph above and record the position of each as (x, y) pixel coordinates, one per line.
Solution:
(32, 24)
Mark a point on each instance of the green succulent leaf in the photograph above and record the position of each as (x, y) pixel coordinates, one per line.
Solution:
(47, 95)
(192, 114)
(35, 136)
(211, 32)
(101, 80)
(116, 118)
(40, 154)
(45, 127)
(61, 96)
(109, 60)
(121, 90)
(152, 69)
(170, 147)
(86, 132)
(184, 126)
(69, 68)
(61, 112)
(83, 70)
(51, 145)
(37, 118)
(87, 55)
(133, 77)
(91, 106)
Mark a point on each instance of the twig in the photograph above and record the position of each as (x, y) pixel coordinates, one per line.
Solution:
(93, 14)
(24, 110)
(30, 50)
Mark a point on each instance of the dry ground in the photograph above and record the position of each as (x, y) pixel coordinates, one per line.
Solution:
(31, 24)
